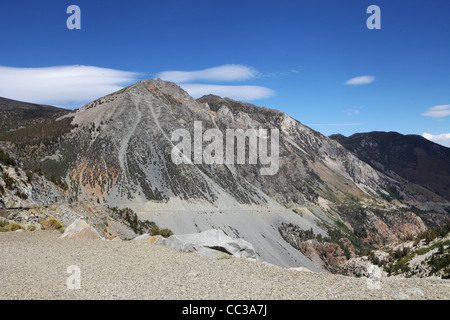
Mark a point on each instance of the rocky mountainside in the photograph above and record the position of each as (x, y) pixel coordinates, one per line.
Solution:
(25, 188)
(411, 157)
(29, 201)
(118, 151)
(425, 255)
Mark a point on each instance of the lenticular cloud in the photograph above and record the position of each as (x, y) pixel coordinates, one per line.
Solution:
(438, 111)
(62, 85)
(188, 80)
(229, 72)
(360, 80)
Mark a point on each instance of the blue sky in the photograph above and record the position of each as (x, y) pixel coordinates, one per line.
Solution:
(294, 56)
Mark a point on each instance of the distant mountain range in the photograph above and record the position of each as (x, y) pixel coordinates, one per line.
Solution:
(411, 157)
(118, 151)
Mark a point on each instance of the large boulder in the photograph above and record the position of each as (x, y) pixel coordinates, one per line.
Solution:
(80, 229)
(206, 241)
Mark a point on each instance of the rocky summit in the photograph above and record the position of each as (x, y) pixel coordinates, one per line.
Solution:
(320, 206)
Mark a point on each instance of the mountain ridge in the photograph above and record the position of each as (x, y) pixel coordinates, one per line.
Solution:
(409, 156)
(17, 114)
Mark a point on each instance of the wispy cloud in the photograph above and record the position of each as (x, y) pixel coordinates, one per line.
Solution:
(247, 93)
(62, 85)
(354, 110)
(360, 80)
(278, 74)
(229, 72)
(442, 139)
(438, 111)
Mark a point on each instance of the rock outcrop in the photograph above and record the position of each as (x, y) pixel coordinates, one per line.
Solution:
(80, 229)
(22, 188)
(211, 243)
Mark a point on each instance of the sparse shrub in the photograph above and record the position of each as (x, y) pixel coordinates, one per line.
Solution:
(431, 234)
(10, 183)
(374, 259)
(154, 231)
(438, 262)
(162, 232)
(401, 253)
(52, 224)
(21, 195)
(38, 171)
(29, 175)
(139, 226)
(11, 227)
(61, 183)
(166, 232)
(6, 159)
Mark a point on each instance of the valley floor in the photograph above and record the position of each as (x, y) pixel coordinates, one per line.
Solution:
(34, 265)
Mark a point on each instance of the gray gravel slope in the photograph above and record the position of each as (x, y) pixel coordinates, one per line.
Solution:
(33, 265)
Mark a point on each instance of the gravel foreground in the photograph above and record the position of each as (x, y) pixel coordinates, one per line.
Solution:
(34, 265)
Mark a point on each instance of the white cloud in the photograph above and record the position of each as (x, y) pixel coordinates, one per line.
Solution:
(247, 93)
(438, 111)
(229, 72)
(442, 139)
(360, 80)
(62, 85)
